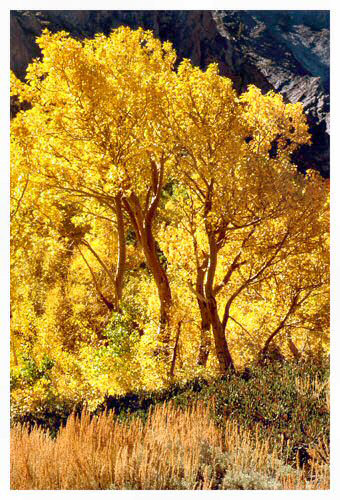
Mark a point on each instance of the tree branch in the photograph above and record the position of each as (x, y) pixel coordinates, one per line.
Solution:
(104, 299)
(158, 175)
(20, 199)
(108, 272)
(251, 280)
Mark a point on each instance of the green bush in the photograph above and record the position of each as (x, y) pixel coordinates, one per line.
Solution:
(121, 336)
(47, 409)
(50, 414)
(31, 372)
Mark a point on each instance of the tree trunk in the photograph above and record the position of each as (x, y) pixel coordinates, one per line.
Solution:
(142, 220)
(293, 349)
(107, 302)
(205, 341)
(291, 310)
(121, 260)
(221, 346)
(143, 226)
(174, 356)
(162, 283)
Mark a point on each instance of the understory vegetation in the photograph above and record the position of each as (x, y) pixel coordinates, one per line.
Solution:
(168, 262)
(181, 444)
(265, 428)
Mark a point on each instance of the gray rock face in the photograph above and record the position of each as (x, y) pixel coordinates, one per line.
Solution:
(287, 51)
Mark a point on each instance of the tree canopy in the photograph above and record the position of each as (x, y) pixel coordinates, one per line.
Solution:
(159, 225)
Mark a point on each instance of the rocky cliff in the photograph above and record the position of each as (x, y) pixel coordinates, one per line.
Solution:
(287, 51)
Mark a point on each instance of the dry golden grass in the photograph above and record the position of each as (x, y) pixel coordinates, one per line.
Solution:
(174, 449)
(312, 387)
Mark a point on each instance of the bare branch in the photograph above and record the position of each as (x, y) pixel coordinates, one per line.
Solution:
(20, 199)
(106, 269)
(252, 279)
(104, 299)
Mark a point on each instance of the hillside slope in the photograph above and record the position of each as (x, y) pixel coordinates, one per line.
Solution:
(287, 51)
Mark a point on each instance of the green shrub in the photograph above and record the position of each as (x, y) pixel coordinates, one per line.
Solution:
(266, 397)
(121, 336)
(30, 372)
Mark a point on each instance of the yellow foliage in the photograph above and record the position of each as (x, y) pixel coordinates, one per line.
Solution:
(207, 172)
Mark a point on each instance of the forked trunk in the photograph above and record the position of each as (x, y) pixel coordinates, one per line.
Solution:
(143, 228)
(142, 220)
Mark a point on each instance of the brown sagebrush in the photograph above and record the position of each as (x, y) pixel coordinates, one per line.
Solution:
(173, 449)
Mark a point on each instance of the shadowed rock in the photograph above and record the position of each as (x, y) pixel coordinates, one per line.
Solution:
(287, 51)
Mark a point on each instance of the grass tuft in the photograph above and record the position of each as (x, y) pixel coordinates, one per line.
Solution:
(173, 448)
